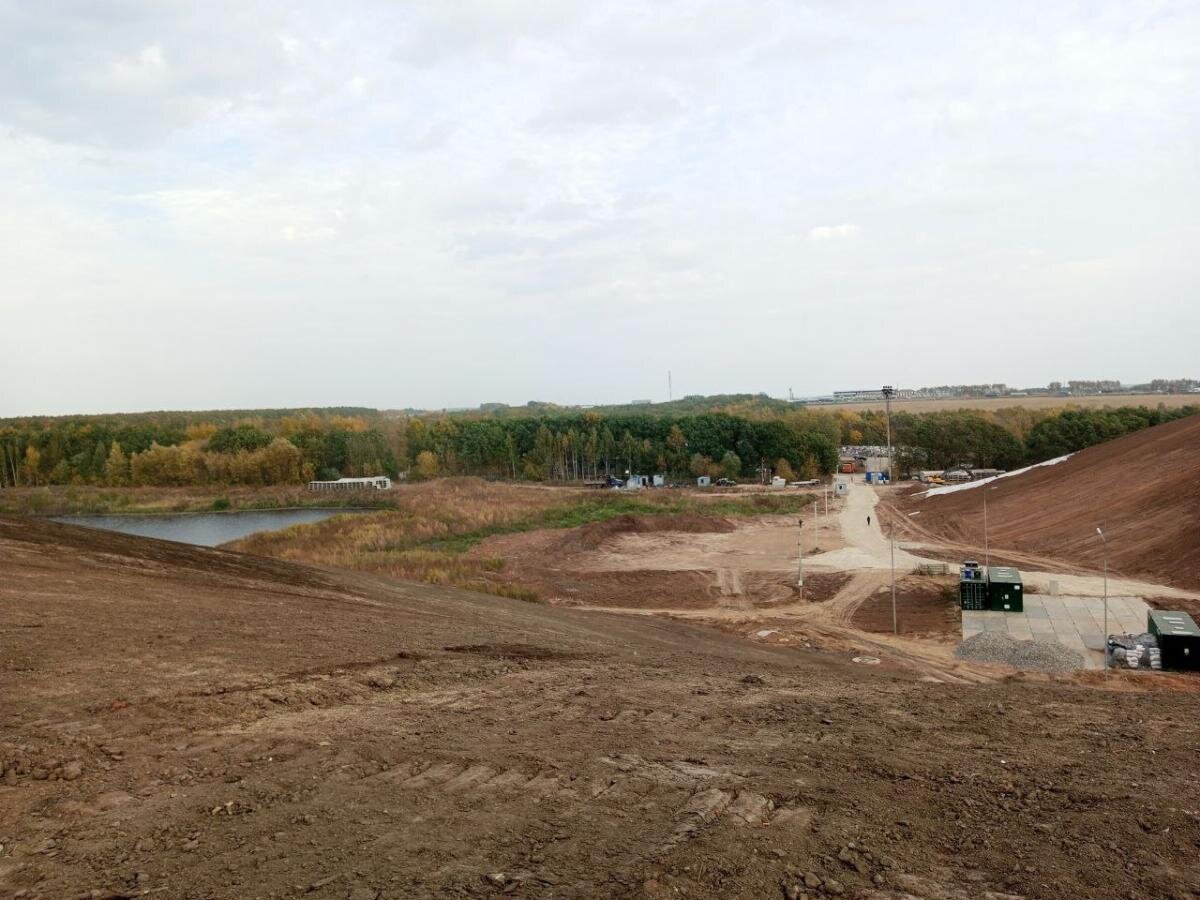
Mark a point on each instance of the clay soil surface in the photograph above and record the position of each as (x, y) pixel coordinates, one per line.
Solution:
(684, 562)
(1142, 488)
(191, 723)
(926, 608)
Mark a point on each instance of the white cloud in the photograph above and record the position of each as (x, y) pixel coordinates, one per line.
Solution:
(832, 232)
(486, 180)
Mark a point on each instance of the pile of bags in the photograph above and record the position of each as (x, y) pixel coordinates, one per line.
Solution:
(1134, 651)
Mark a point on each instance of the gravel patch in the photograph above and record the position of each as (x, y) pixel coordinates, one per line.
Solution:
(1003, 649)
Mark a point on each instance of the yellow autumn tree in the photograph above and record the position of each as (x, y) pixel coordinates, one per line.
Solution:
(427, 464)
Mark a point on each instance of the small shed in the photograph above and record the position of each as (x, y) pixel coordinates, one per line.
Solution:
(841, 487)
(659, 481)
(778, 482)
(704, 481)
(1005, 590)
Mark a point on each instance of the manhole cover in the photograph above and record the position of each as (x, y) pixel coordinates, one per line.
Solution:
(866, 660)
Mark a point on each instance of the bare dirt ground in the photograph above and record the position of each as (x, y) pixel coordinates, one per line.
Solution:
(1142, 488)
(198, 723)
(926, 606)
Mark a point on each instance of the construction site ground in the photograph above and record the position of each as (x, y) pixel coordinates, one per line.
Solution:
(679, 721)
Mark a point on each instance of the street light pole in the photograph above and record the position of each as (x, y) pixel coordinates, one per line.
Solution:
(888, 391)
(1104, 648)
(800, 547)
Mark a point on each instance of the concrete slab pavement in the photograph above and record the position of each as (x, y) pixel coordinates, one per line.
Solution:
(1074, 622)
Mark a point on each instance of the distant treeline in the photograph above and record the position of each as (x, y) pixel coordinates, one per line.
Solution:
(290, 446)
(589, 445)
(242, 447)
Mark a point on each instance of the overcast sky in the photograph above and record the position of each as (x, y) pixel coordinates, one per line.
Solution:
(237, 204)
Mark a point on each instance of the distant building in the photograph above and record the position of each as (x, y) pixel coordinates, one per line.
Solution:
(875, 464)
(373, 483)
(986, 473)
(703, 481)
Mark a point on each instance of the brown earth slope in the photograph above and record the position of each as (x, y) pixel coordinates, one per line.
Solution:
(1144, 489)
(188, 723)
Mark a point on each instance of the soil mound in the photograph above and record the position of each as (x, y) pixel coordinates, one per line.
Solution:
(594, 534)
(183, 722)
(1141, 488)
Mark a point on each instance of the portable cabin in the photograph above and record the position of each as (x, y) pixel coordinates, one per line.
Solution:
(659, 481)
(374, 482)
(703, 481)
(1005, 590)
(1178, 638)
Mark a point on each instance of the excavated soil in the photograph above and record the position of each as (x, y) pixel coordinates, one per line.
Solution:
(659, 562)
(192, 723)
(594, 534)
(1142, 489)
(926, 607)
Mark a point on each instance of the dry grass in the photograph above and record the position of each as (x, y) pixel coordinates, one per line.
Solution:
(426, 536)
(89, 500)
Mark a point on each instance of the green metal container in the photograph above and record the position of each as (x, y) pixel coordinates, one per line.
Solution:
(1006, 593)
(1178, 638)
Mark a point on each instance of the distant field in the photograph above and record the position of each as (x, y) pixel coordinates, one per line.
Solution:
(1171, 401)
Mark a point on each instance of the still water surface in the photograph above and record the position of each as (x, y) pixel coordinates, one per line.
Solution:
(206, 529)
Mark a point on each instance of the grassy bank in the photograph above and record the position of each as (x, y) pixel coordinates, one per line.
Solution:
(434, 526)
(82, 501)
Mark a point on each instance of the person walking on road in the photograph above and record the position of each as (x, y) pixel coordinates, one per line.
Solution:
(868, 520)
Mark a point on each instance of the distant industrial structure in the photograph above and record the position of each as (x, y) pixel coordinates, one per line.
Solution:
(1069, 388)
(372, 483)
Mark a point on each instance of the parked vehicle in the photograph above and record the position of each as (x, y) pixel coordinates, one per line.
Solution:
(726, 482)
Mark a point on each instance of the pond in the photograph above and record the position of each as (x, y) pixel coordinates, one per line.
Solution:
(206, 529)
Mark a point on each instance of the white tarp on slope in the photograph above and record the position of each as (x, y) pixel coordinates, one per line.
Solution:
(967, 485)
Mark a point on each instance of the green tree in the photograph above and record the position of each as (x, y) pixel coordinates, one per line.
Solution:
(731, 465)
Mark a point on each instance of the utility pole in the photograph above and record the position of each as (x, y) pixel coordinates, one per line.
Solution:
(800, 547)
(1104, 647)
(670, 388)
